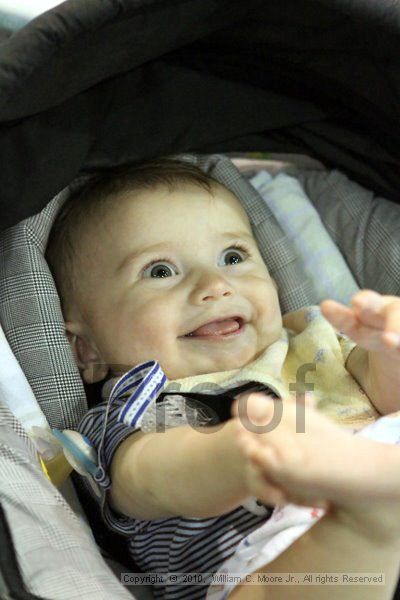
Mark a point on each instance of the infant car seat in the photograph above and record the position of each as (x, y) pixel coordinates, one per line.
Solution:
(92, 85)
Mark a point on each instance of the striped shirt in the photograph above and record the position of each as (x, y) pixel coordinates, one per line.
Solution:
(168, 545)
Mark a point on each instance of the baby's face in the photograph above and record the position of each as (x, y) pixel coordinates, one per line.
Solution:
(160, 267)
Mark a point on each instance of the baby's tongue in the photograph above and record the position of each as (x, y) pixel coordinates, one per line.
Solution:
(217, 328)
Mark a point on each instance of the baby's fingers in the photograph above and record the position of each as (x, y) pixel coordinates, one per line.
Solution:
(375, 310)
(253, 409)
(391, 339)
(262, 460)
(340, 316)
(367, 309)
(373, 321)
(260, 486)
(262, 455)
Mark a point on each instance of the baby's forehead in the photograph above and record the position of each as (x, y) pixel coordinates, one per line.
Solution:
(137, 221)
(159, 200)
(186, 217)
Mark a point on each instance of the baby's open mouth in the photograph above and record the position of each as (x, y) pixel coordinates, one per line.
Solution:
(218, 328)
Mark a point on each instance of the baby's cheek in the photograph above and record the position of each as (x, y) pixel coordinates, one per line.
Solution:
(265, 300)
(152, 334)
(147, 333)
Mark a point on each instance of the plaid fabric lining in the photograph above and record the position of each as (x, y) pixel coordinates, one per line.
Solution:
(56, 554)
(365, 227)
(31, 317)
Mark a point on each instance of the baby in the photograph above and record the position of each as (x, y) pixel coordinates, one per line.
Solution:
(159, 263)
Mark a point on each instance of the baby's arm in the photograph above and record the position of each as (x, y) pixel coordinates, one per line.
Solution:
(358, 481)
(182, 471)
(373, 322)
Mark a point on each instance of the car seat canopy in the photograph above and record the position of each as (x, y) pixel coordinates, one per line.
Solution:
(88, 86)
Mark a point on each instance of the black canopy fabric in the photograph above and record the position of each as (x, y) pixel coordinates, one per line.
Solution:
(97, 83)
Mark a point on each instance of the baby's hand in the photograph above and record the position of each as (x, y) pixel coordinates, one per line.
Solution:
(323, 464)
(257, 481)
(372, 321)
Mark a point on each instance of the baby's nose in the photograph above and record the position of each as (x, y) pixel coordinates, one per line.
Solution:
(211, 287)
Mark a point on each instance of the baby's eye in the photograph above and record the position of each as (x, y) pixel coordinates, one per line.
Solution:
(233, 256)
(159, 269)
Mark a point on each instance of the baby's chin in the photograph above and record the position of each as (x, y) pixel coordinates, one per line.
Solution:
(227, 363)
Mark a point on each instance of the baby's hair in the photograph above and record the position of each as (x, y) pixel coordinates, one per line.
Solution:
(62, 253)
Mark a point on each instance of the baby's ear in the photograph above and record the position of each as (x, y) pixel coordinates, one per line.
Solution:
(86, 354)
